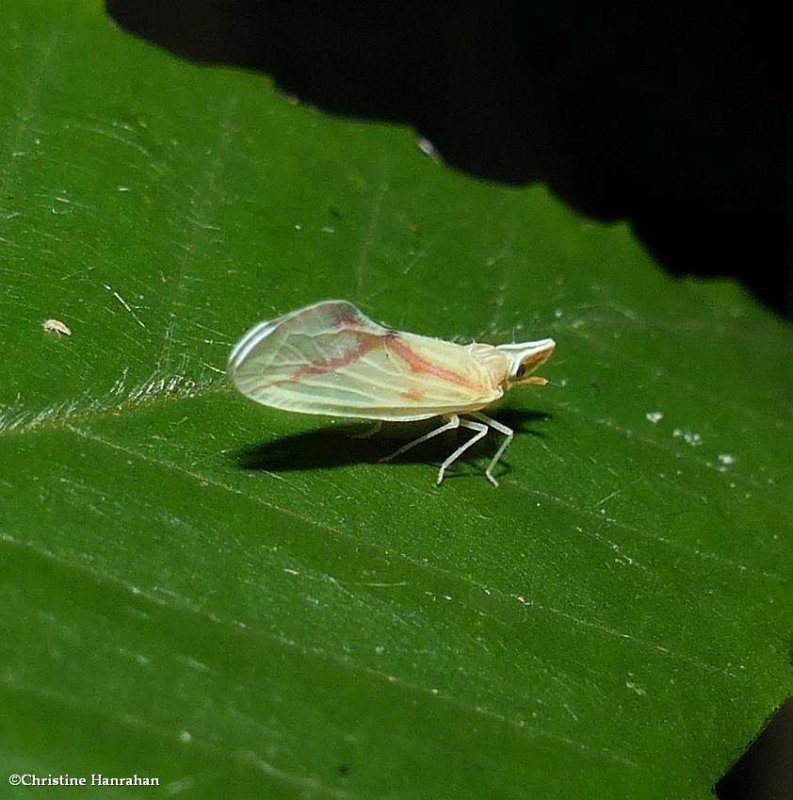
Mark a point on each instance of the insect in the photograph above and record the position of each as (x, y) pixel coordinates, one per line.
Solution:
(329, 359)
(56, 326)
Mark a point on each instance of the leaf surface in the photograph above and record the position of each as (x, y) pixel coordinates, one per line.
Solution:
(234, 599)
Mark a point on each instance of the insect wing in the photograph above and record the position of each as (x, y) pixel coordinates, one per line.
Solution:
(330, 359)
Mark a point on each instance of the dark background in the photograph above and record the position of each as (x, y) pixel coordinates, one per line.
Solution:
(676, 115)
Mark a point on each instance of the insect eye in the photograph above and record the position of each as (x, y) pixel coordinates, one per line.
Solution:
(527, 366)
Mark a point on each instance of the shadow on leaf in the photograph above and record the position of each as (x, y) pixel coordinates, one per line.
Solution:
(340, 446)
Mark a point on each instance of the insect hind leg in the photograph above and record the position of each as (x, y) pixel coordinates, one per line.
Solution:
(370, 431)
(508, 434)
(450, 424)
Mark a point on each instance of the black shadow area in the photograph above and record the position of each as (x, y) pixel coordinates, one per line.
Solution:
(338, 446)
(675, 115)
(765, 770)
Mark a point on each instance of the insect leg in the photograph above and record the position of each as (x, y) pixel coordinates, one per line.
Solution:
(508, 433)
(481, 430)
(453, 422)
(375, 428)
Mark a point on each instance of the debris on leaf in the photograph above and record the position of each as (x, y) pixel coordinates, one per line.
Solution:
(56, 326)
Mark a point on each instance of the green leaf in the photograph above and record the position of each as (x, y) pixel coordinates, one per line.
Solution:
(236, 600)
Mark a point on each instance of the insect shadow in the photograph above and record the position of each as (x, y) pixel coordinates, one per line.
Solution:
(341, 445)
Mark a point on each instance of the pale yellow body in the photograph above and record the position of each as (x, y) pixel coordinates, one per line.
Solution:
(328, 358)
